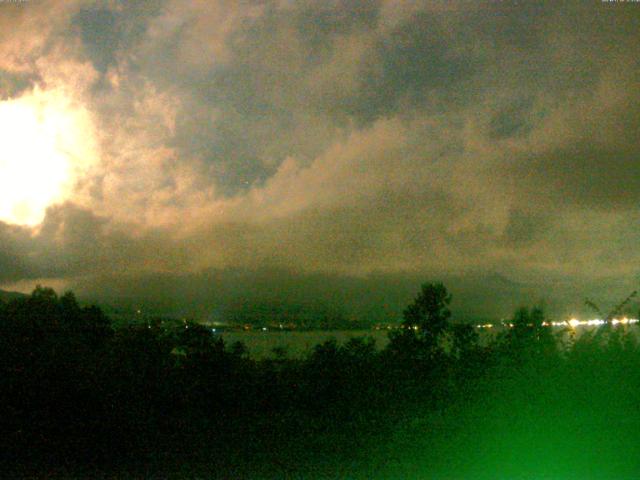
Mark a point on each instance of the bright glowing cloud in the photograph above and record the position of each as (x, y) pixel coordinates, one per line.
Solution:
(334, 138)
(47, 145)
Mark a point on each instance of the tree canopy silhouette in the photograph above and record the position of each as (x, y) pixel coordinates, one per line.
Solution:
(429, 313)
(426, 320)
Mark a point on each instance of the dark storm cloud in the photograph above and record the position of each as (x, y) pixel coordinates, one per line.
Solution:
(227, 294)
(409, 66)
(107, 32)
(574, 174)
(13, 83)
(512, 120)
(486, 140)
(224, 294)
(74, 242)
(13, 255)
(525, 227)
(100, 36)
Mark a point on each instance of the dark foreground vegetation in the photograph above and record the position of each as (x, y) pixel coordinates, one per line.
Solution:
(81, 400)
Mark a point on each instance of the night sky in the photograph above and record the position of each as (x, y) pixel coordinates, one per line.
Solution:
(190, 154)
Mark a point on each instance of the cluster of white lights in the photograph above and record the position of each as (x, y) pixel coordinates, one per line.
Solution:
(573, 323)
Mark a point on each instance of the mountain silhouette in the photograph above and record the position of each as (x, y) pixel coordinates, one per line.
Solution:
(6, 296)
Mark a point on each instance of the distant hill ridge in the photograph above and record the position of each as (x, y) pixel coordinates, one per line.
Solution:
(6, 296)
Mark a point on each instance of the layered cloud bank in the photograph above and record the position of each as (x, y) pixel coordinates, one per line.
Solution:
(401, 138)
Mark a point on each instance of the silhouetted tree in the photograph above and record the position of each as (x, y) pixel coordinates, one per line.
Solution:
(529, 334)
(425, 321)
(239, 349)
(429, 312)
(464, 338)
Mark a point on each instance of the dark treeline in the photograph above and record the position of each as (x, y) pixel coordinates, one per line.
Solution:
(81, 399)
